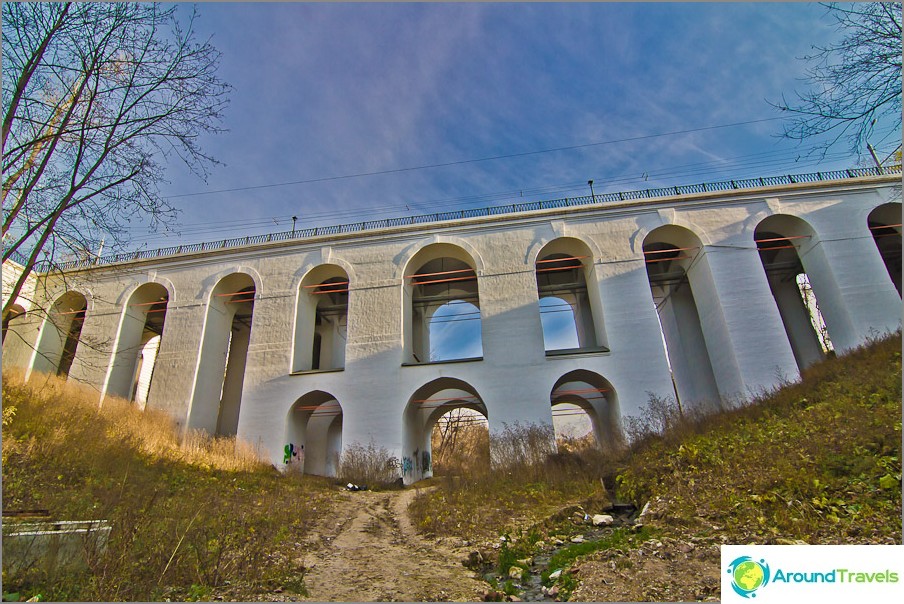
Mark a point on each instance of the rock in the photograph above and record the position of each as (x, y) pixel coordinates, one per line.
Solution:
(555, 574)
(513, 599)
(474, 560)
(558, 542)
(514, 572)
(603, 520)
(491, 595)
(685, 548)
(577, 539)
(553, 591)
(525, 561)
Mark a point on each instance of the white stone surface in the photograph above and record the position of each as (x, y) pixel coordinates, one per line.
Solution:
(372, 381)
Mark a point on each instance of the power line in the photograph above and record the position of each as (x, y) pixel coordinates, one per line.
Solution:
(766, 159)
(478, 160)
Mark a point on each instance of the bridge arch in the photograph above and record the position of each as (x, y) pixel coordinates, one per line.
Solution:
(569, 297)
(424, 408)
(313, 436)
(696, 341)
(441, 279)
(884, 222)
(219, 377)
(799, 278)
(321, 319)
(596, 397)
(137, 343)
(60, 333)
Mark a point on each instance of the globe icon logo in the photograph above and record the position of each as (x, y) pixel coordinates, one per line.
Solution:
(748, 575)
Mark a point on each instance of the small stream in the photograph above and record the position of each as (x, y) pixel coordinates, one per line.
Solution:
(532, 590)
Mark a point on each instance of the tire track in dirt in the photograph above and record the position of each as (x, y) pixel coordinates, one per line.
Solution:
(371, 552)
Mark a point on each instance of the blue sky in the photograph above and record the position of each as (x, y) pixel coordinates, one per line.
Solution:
(331, 90)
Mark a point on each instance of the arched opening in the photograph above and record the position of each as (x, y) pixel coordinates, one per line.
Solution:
(671, 255)
(884, 223)
(139, 338)
(425, 407)
(779, 240)
(321, 320)
(460, 443)
(584, 402)
(217, 394)
(314, 435)
(59, 338)
(442, 306)
(570, 306)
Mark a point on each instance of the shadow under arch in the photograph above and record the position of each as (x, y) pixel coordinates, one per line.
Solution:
(137, 343)
(884, 222)
(786, 244)
(220, 374)
(690, 317)
(313, 436)
(428, 403)
(596, 396)
(60, 334)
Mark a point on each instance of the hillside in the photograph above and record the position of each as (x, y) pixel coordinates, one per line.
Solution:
(186, 517)
(815, 462)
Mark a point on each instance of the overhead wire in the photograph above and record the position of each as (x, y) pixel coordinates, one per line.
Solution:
(760, 160)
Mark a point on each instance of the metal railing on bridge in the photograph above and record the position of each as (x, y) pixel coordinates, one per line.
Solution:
(515, 208)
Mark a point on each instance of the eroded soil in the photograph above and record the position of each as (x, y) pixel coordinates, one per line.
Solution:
(371, 552)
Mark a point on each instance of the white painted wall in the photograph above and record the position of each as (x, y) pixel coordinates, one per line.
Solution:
(743, 329)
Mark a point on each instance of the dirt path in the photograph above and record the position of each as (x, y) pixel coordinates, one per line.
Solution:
(372, 553)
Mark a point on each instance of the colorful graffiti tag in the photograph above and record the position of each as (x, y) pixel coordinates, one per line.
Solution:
(291, 453)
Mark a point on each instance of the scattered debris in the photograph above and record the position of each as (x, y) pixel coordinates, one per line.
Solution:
(603, 520)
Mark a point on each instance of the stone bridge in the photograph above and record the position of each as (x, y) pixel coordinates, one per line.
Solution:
(301, 343)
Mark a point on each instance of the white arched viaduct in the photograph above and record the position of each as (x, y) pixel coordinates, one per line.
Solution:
(305, 345)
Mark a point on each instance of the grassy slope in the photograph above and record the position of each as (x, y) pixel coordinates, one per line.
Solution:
(818, 461)
(185, 519)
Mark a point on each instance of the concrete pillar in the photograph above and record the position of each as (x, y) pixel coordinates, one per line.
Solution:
(831, 300)
(127, 348)
(798, 326)
(230, 404)
(868, 294)
(759, 341)
(636, 365)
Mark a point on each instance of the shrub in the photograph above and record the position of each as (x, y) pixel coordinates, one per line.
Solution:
(370, 466)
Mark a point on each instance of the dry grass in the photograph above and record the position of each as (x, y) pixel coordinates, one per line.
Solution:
(521, 484)
(153, 432)
(189, 515)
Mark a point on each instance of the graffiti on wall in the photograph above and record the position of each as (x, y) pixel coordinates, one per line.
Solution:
(419, 462)
(291, 453)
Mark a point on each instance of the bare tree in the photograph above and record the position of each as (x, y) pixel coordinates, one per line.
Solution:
(96, 98)
(855, 82)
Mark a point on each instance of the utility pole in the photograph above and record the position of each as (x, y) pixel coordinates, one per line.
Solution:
(294, 218)
(872, 152)
(592, 196)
